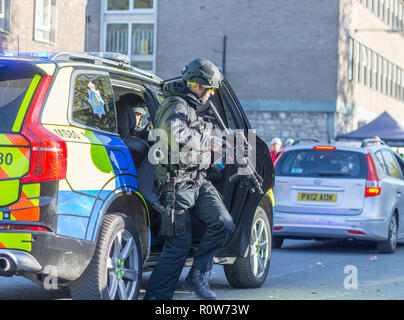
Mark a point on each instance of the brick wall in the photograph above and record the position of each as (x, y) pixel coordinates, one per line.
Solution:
(70, 32)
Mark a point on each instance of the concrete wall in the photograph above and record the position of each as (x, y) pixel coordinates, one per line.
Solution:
(70, 32)
(93, 31)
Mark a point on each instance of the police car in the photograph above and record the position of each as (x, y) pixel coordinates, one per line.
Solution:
(70, 204)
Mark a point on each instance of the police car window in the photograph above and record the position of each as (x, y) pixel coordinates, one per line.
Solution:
(393, 169)
(93, 102)
(380, 164)
(400, 164)
(316, 163)
(13, 90)
(139, 106)
(220, 94)
(223, 110)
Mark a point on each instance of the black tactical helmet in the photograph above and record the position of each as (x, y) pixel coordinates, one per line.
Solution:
(203, 72)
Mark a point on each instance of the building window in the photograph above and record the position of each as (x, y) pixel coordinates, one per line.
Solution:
(395, 24)
(142, 46)
(380, 73)
(143, 4)
(402, 85)
(125, 5)
(385, 76)
(117, 38)
(369, 68)
(130, 29)
(389, 78)
(139, 46)
(398, 82)
(369, 71)
(118, 5)
(364, 64)
(351, 58)
(357, 61)
(45, 20)
(387, 12)
(394, 81)
(375, 71)
(5, 15)
(381, 10)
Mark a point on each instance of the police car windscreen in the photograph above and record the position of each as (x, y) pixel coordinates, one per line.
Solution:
(322, 163)
(16, 89)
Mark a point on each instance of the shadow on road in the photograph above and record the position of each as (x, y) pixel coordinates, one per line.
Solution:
(338, 247)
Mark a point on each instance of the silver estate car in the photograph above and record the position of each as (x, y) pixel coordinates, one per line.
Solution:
(332, 190)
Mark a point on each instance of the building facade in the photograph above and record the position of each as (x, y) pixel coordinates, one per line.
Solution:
(371, 63)
(124, 26)
(42, 25)
(300, 68)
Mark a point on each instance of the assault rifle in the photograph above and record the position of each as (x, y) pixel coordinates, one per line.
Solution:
(253, 179)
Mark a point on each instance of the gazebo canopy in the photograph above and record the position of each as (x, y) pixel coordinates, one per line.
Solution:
(383, 126)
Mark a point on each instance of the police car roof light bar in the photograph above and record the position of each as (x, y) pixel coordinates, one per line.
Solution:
(116, 60)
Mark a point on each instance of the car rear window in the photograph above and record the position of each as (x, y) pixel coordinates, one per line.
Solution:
(322, 163)
(15, 83)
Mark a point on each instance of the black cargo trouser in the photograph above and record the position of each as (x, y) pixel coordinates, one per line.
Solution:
(209, 208)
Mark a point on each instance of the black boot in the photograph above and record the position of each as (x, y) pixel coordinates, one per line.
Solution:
(197, 281)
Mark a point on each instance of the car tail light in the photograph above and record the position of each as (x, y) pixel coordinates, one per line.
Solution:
(324, 148)
(356, 232)
(278, 228)
(22, 227)
(372, 183)
(48, 153)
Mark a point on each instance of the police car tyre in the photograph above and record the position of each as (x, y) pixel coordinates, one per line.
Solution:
(115, 270)
(277, 242)
(390, 244)
(252, 271)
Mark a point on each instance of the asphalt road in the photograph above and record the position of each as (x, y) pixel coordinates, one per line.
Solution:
(301, 270)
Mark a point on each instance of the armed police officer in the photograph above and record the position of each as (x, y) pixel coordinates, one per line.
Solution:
(184, 186)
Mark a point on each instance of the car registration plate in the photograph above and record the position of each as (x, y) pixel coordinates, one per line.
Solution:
(323, 197)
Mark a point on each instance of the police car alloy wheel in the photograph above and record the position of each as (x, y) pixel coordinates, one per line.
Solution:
(115, 271)
(252, 271)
